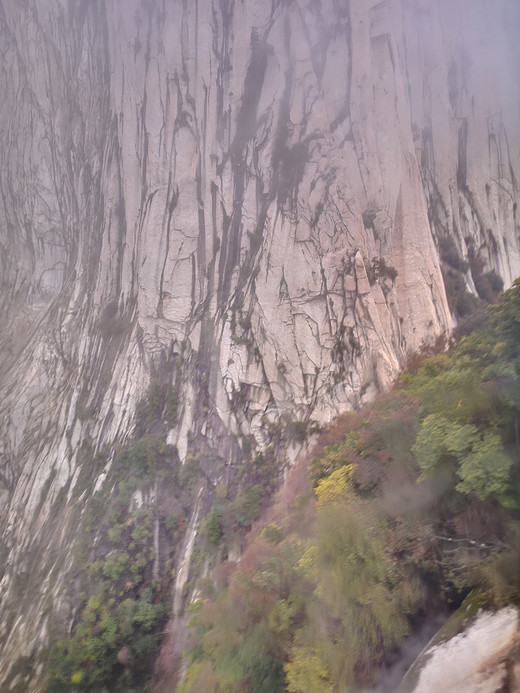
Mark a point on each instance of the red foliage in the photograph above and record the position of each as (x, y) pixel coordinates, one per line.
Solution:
(337, 430)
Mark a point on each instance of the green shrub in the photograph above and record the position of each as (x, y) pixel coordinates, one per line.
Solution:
(246, 506)
(115, 532)
(266, 674)
(332, 585)
(88, 660)
(213, 524)
(172, 406)
(141, 460)
(190, 469)
(272, 533)
(470, 323)
(151, 406)
(171, 523)
(116, 565)
(140, 533)
(138, 565)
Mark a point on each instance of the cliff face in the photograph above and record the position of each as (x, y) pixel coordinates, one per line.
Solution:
(241, 199)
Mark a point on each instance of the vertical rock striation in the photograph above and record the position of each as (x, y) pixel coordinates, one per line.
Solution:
(250, 190)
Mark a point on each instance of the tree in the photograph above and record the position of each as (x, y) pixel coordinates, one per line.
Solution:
(484, 471)
(479, 459)
(307, 672)
(360, 598)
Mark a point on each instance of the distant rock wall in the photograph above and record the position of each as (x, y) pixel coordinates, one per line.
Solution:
(252, 191)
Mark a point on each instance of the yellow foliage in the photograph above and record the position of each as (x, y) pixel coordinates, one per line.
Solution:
(281, 615)
(307, 673)
(334, 487)
(199, 677)
(308, 563)
(77, 677)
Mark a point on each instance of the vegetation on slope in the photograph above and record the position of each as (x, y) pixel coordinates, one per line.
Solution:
(405, 508)
(117, 629)
(129, 536)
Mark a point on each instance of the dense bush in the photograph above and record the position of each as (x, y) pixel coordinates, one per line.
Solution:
(144, 458)
(246, 506)
(112, 648)
(409, 508)
(171, 406)
(214, 529)
(160, 403)
(404, 504)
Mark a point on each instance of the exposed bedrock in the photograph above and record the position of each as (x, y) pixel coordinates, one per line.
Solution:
(245, 197)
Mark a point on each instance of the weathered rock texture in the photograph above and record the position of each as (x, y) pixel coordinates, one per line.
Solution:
(248, 191)
(483, 658)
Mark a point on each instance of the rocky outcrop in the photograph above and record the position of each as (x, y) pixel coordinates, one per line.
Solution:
(483, 657)
(243, 197)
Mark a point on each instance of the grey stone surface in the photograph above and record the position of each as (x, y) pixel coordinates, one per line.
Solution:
(219, 181)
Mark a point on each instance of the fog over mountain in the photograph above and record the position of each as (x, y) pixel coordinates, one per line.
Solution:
(223, 223)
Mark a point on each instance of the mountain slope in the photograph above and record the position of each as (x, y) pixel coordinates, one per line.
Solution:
(242, 202)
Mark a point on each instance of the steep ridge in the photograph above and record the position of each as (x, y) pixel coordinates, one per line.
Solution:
(241, 200)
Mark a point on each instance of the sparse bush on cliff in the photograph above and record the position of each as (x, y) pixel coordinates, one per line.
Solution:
(111, 324)
(213, 525)
(488, 285)
(450, 254)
